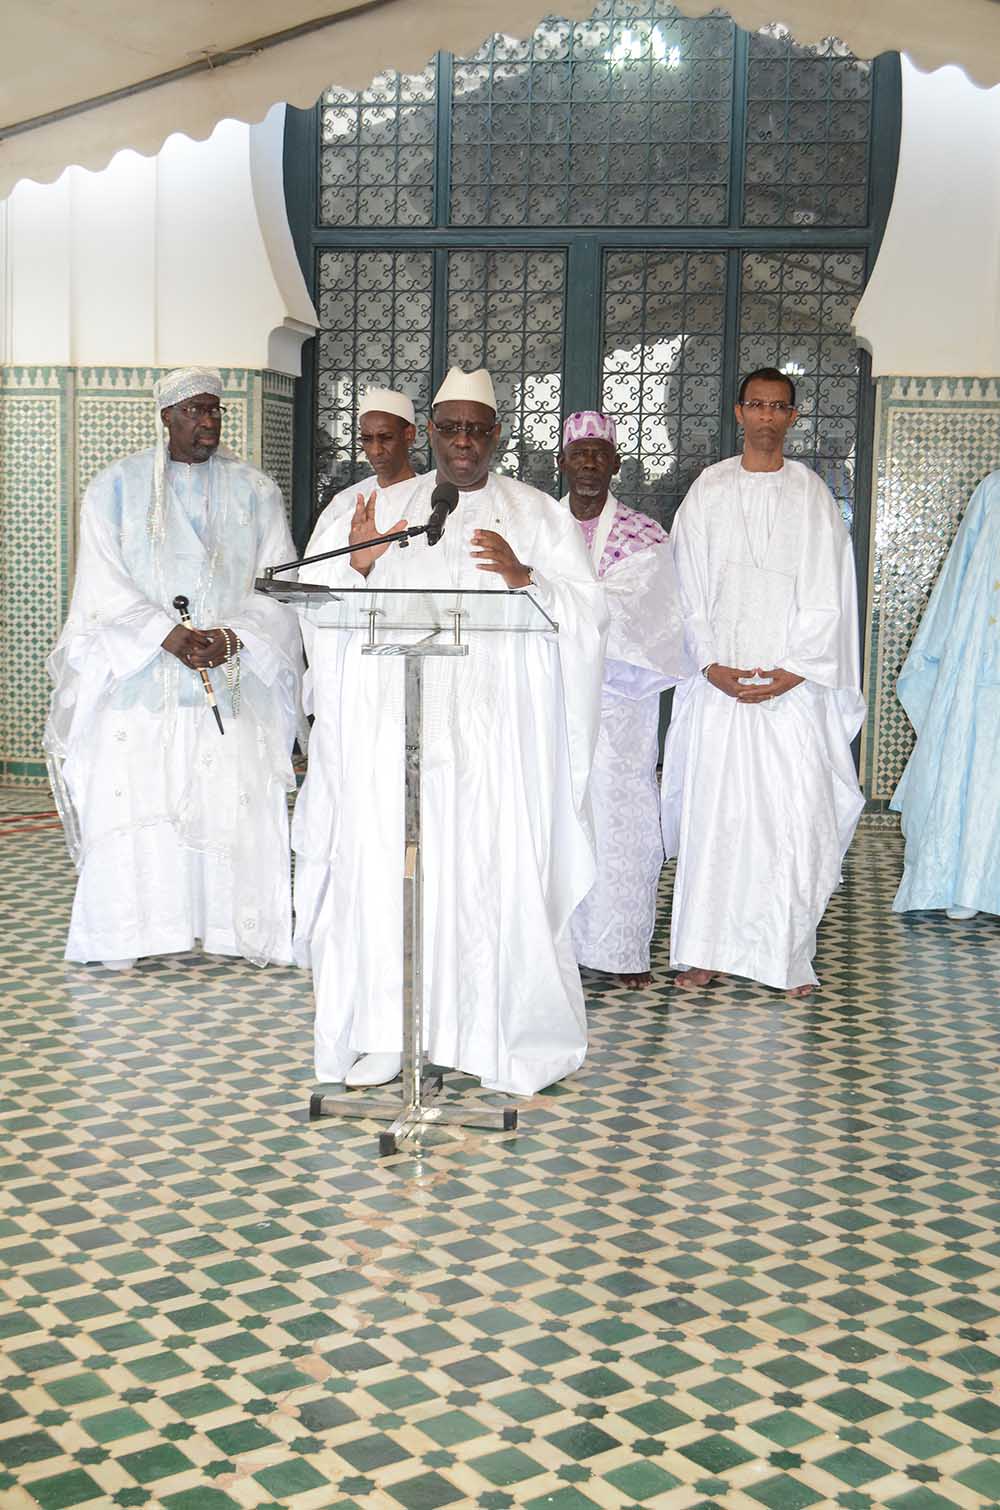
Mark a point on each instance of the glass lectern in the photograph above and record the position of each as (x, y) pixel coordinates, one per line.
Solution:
(414, 624)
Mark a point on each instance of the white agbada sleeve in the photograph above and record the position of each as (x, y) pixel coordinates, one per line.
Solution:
(108, 613)
(645, 647)
(823, 632)
(567, 587)
(692, 563)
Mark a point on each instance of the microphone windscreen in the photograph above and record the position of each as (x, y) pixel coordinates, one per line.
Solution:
(444, 495)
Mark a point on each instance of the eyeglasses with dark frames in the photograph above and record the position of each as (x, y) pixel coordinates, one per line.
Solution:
(475, 431)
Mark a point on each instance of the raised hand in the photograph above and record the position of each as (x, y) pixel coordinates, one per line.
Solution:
(363, 527)
(492, 553)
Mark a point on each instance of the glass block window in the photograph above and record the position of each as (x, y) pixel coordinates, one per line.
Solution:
(662, 360)
(375, 331)
(506, 313)
(795, 314)
(808, 127)
(620, 120)
(377, 152)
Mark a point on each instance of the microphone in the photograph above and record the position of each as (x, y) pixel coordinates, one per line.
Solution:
(443, 501)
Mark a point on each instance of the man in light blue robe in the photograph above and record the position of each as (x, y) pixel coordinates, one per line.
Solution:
(179, 831)
(949, 795)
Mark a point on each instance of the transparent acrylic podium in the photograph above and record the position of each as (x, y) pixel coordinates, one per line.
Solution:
(414, 624)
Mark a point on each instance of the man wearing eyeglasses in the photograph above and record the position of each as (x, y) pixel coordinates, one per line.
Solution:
(760, 795)
(508, 740)
(179, 828)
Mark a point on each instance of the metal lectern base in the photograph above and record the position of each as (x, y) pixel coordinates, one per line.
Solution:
(411, 1117)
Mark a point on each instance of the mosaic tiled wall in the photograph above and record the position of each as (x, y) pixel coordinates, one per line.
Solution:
(277, 430)
(58, 428)
(36, 464)
(936, 438)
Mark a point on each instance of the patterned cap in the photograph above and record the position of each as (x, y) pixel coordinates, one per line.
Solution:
(186, 382)
(587, 424)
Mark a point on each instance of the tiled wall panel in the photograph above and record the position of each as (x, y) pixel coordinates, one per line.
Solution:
(36, 456)
(277, 431)
(936, 438)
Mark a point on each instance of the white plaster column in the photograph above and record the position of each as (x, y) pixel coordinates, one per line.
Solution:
(932, 306)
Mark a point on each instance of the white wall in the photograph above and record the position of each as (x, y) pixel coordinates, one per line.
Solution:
(158, 261)
(932, 307)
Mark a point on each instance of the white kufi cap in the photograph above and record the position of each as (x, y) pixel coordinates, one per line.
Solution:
(387, 401)
(468, 387)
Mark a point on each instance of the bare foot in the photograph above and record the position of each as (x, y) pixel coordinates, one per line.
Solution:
(634, 980)
(689, 980)
(799, 991)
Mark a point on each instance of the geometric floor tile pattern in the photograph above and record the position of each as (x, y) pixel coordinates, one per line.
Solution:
(749, 1256)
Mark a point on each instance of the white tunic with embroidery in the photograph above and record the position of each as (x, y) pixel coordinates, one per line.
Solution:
(613, 925)
(760, 801)
(508, 741)
(179, 833)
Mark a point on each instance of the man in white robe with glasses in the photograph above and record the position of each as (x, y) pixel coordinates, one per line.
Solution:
(179, 831)
(760, 795)
(508, 741)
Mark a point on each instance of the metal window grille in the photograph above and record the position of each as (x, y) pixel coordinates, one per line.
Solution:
(620, 120)
(795, 314)
(377, 152)
(375, 315)
(808, 128)
(505, 313)
(664, 321)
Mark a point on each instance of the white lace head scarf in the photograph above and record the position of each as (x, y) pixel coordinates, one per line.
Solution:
(174, 388)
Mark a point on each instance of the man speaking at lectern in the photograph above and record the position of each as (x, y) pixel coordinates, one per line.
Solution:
(508, 739)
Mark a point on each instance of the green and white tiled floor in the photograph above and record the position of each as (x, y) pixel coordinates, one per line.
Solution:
(747, 1257)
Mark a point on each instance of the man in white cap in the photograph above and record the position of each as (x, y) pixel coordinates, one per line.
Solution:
(509, 735)
(387, 432)
(179, 831)
(613, 925)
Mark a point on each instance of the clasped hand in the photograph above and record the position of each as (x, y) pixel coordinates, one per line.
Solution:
(198, 648)
(728, 680)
